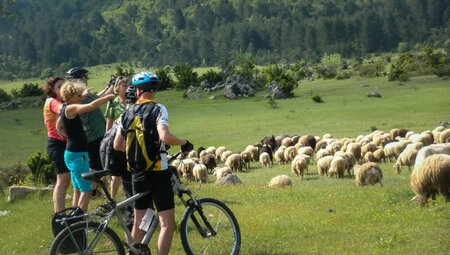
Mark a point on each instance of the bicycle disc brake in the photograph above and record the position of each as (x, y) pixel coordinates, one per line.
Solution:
(142, 249)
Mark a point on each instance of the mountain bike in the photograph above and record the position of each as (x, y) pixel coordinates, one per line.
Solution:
(207, 225)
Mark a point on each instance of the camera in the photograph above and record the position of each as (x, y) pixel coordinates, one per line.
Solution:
(111, 81)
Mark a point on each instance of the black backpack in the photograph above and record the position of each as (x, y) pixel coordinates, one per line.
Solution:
(142, 138)
(107, 147)
(68, 246)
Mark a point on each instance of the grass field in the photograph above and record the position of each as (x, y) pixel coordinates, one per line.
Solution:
(317, 216)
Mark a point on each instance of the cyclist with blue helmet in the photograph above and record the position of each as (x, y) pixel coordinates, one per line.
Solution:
(157, 178)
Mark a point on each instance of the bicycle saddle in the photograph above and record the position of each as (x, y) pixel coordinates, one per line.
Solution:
(96, 175)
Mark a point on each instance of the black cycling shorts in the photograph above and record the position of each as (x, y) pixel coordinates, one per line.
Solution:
(94, 154)
(158, 182)
(55, 151)
(119, 163)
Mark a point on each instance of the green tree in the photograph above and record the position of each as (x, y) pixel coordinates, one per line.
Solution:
(186, 77)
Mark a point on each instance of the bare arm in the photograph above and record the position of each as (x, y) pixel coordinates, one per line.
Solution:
(73, 109)
(119, 141)
(60, 127)
(167, 137)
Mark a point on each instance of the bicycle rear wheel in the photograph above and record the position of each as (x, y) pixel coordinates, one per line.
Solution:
(78, 238)
(227, 236)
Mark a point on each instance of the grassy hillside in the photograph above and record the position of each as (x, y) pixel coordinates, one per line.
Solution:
(417, 105)
(319, 215)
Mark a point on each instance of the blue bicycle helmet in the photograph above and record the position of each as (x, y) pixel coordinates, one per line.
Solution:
(76, 73)
(146, 81)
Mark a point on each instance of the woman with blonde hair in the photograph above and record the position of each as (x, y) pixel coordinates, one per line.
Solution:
(76, 154)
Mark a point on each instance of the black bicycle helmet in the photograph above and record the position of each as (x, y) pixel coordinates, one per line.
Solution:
(130, 95)
(146, 81)
(76, 73)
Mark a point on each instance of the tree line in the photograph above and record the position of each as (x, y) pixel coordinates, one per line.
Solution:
(38, 38)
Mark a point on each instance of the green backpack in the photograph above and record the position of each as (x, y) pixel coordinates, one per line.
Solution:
(142, 138)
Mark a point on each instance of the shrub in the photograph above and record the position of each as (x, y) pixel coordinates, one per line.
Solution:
(28, 90)
(186, 77)
(285, 82)
(343, 75)
(165, 81)
(13, 175)
(317, 99)
(4, 97)
(330, 66)
(212, 77)
(41, 168)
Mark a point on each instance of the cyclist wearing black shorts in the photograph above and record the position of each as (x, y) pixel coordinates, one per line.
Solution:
(156, 179)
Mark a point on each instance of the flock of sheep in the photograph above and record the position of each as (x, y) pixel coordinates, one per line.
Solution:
(427, 152)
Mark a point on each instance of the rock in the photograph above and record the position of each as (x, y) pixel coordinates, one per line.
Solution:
(275, 92)
(212, 97)
(230, 179)
(18, 192)
(236, 86)
(37, 104)
(374, 94)
(364, 85)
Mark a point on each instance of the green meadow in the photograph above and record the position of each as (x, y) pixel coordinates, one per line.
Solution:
(318, 215)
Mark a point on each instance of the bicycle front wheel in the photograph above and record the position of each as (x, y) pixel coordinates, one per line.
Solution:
(79, 239)
(197, 238)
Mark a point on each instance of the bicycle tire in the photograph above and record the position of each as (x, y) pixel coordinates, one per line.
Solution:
(109, 242)
(228, 237)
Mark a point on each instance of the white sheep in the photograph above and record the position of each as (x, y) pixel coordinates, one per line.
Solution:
(444, 136)
(393, 149)
(279, 155)
(337, 167)
(289, 153)
(219, 152)
(246, 159)
(253, 151)
(431, 178)
(323, 164)
(355, 149)
(306, 151)
(299, 165)
(406, 158)
(280, 181)
(441, 148)
(264, 159)
(368, 174)
(225, 155)
(234, 162)
(200, 173)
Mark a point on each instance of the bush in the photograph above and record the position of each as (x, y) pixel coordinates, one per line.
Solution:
(41, 168)
(212, 77)
(285, 81)
(317, 99)
(186, 77)
(14, 175)
(4, 97)
(165, 81)
(330, 66)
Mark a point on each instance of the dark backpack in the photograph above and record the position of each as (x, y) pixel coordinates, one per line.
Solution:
(107, 147)
(142, 138)
(68, 246)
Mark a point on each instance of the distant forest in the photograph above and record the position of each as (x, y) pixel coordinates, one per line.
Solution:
(38, 36)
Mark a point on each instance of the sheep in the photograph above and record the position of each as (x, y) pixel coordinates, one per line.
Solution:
(185, 168)
(368, 157)
(355, 149)
(368, 174)
(225, 155)
(246, 159)
(431, 178)
(308, 140)
(393, 149)
(287, 141)
(444, 136)
(430, 150)
(379, 155)
(406, 158)
(222, 172)
(200, 173)
(269, 150)
(211, 150)
(280, 181)
(209, 160)
(279, 155)
(349, 159)
(368, 147)
(234, 162)
(322, 153)
(290, 153)
(300, 165)
(398, 132)
(192, 154)
(264, 159)
(337, 167)
(306, 151)
(219, 152)
(323, 164)
(253, 152)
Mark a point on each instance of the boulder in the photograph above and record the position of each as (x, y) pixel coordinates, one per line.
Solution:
(18, 192)
(374, 94)
(230, 179)
(236, 86)
(275, 92)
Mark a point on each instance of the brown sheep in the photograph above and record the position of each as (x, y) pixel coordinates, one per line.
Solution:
(431, 178)
(398, 132)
